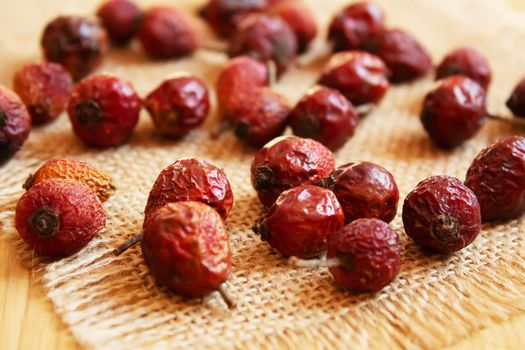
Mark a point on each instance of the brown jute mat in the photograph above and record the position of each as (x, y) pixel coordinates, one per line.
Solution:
(113, 303)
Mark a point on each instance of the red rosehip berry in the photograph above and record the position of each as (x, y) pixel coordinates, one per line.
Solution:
(467, 62)
(365, 190)
(178, 105)
(121, 18)
(454, 111)
(299, 18)
(44, 88)
(104, 110)
(516, 101)
(442, 214)
(15, 124)
(191, 179)
(351, 28)
(360, 76)
(287, 162)
(497, 177)
(301, 221)
(59, 217)
(78, 44)
(165, 32)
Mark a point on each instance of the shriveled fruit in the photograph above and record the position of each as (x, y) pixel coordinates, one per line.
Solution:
(516, 101)
(121, 18)
(15, 124)
(467, 62)
(300, 18)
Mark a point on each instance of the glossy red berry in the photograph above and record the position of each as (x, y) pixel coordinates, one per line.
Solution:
(365, 190)
(442, 214)
(178, 105)
(369, 252)
(186, 248)
(165, 32)
(287, 162)
(15, 124)
(300, 18)
(516, 101)
(301, 221)
(191, 179)
(497, 177)
(467, 62)
(454, 111)
(44, 88)
(59, 217)
(77, 43)
(360, 76)
(121, 18)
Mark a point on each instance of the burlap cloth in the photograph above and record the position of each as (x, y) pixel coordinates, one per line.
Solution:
(112, 302)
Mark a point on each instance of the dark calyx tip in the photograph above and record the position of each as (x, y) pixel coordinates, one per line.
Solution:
(3, 118)
(308, 126)
(327, 183)
(242, 130)
(445, 229)
(261, 228)
(29, 182)
(264, 178)
(45, 222)
(89, 113)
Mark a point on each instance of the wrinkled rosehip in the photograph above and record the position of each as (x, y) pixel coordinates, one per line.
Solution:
(78, 44)
(404, 56)
(516, 101)
(351, 28)
(15, 124)
(301, 221)
(104, 110)
(178, 105)
(265, 38)
(442, 214)
(365, 190)
(467, 62)
(121, 18)
(497, 177)
(44, 88)
(165, 32)
(59, 217)
(299, 18)
(454, 111)
(186, 248)
(191, 179)
(358, 75)
(287, 162)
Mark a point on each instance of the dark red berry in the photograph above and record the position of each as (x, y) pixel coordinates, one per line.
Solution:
(191, 179)
(299, 18)
(165, 32)
(15, 123)
(351, 28)
(301, 221)
(287, 162)
(369, 252)
(404, 56)
(454, 111)
(365, 190)
(516, 101)
(104, 110)
(44, 88)
(178, 105)
(186, 248)
(121, 18)
(77, 43)
(468, 62)
(358, 75)
(59, 217)
(497, 177)
(441, 214)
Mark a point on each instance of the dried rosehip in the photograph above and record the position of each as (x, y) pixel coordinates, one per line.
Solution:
(454, 111)
(121, 18)
(44, 88)
(516, 101)
(59, 217)
(191, 179)
(299, 18)
(165, 32)
(497, 177)
(365, 190)
(468, 62)
(351, 28)
(104, 110)
(301, 221)
(69, 169)
(178, 105)
(441, 214)
(286, 162)
(358, 75)
(404, 56)
(77, 43)
(15, 124)
(265, 38)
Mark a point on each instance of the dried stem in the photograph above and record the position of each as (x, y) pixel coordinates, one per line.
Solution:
(364, 110)
(215, 46)
(272, 72)
(226, 296)
(128, 244)
(332, 262)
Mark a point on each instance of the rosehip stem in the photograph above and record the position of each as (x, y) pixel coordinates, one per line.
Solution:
(364, 110)
(512, 121)
(215, 46)
(128, 244)
(317, 54)
(332, 262)
(226, 296)
(272, 72)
